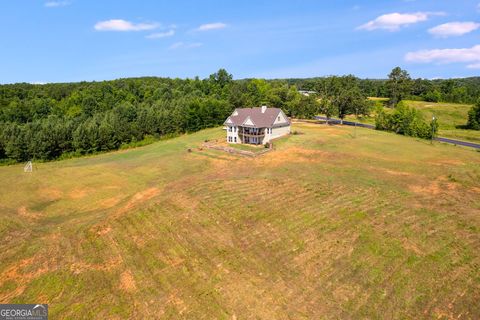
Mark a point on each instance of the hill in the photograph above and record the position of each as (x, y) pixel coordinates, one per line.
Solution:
(452, 118)
(325, 226)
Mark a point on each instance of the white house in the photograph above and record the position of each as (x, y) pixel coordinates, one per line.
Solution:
(307, 93)
(256, 125)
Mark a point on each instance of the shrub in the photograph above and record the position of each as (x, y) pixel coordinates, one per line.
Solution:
(474, 117)
(406, 121)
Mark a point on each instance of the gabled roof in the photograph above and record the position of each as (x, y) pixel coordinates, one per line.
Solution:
(260, 119)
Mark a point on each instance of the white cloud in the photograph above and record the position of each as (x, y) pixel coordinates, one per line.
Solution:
(211, 26)
(465, 55)
(159, 35)
(454, 29)
(123, 25)
(183, 45)
(394, 21)
(54, 4)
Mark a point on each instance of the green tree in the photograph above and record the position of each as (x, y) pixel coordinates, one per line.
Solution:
(474, 117)
(221, 78)
(406, 121)
(350, 101)
(398, 85)
(328, 108)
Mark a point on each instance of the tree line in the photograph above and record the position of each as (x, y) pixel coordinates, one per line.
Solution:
(66, 119)
(462, 90)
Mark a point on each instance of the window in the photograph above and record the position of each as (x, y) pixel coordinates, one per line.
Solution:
(235, 138)
(278, 118)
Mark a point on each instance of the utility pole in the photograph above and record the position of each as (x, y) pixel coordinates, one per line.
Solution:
(433, 128)
(356, 118)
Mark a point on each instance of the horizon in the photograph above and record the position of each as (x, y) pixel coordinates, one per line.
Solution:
(235, 79)
(64, 41)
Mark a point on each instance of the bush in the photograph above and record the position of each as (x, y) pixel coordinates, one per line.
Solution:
(433, 96)
(406, 121)
(474, 117)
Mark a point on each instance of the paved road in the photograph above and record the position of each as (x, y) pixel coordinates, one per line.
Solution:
(369, 126)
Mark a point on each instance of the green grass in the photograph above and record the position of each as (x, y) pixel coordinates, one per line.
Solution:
(451, 118)
(325, 226)
(246, 147)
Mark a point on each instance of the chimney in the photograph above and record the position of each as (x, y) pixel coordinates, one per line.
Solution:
(264, 108)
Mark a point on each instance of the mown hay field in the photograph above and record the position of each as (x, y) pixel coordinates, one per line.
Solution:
(326, 226)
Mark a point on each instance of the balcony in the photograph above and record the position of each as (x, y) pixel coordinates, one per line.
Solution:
(249, 132)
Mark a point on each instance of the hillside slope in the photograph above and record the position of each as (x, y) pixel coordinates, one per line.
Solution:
(452, 118)
(326, 226)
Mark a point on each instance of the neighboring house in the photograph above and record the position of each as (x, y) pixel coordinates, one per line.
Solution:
(256, 125)
(306, 92)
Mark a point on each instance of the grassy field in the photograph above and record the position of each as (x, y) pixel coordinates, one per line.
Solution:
(327, 226)
(451, 117)
(247, 147)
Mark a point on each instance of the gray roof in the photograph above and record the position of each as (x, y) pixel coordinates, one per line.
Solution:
(261, 120)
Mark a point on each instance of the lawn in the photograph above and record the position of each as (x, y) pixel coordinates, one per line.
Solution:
(326, 226)
(451, 117)
(247, 147)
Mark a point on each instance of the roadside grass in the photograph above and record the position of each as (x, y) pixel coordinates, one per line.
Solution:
(325, 226)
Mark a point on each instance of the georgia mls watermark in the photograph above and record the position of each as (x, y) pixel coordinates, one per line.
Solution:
(23, 311)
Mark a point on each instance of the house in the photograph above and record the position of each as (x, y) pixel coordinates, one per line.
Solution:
(307, 93)
(256, 125)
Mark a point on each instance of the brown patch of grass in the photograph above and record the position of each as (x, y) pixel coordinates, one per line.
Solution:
(17, 274)
(440, 185)
(448, 162)
(110, 202)
(397, 173)
(51, 193)
(142, 196)
(293, 154)
(410, 246)
(137, 199)
(81, 266)
(79, 193)
(127, 282)
(177, 302)
(104, 230)
(29, 214)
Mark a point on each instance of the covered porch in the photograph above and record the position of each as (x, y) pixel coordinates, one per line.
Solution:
(250, 135)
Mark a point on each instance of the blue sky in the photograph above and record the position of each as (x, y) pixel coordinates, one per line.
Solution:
(75, 40)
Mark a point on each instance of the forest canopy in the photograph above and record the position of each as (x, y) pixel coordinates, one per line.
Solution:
(63, 119)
